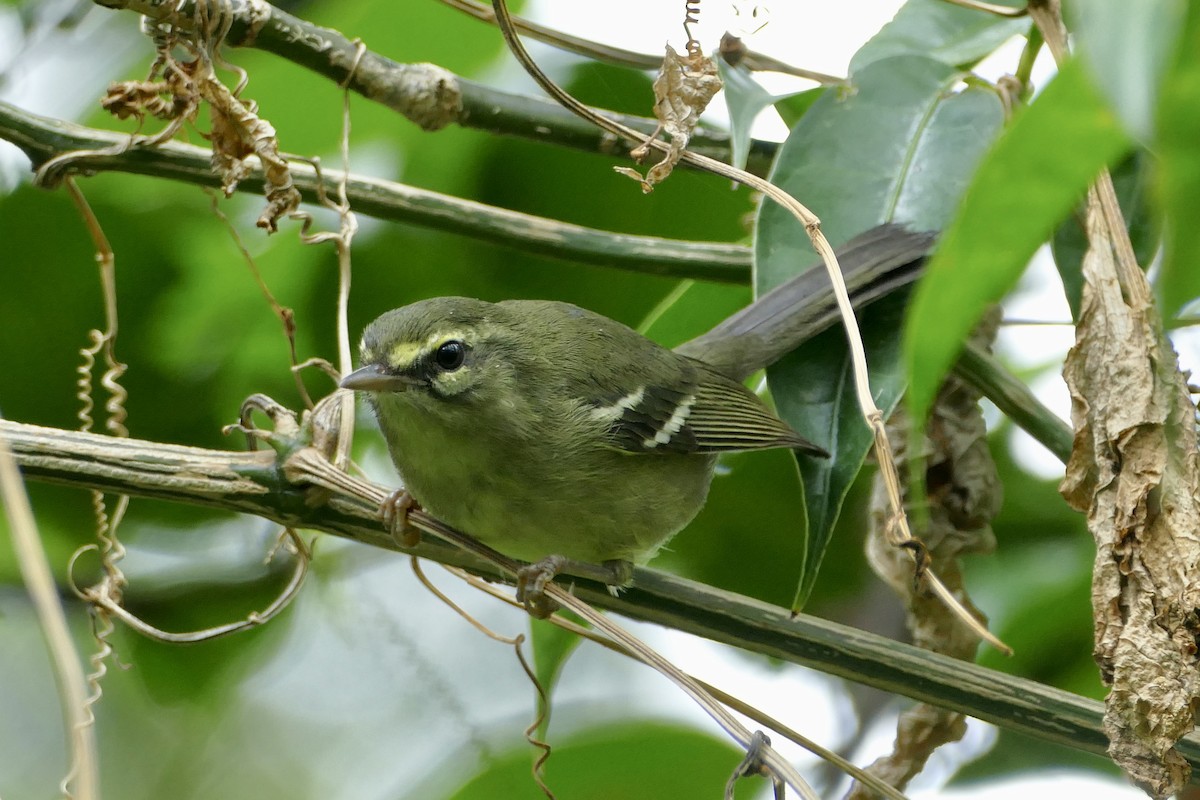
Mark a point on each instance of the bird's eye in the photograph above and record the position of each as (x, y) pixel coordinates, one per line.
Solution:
(451, 355)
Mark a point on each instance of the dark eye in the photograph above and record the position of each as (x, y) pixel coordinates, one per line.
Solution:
(451, 355)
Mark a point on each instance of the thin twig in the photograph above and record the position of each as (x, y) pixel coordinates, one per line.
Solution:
(754, 61)
(544, 748)
(84, 772)
(285, 315)
(254, 619)
(734, 703)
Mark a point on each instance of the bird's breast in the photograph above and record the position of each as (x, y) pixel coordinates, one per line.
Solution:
(527, 497)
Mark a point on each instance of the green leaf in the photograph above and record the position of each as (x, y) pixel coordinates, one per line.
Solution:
(936, 29)
(900, 147)
(817, 381)
(1024, 188)
(1127, 47)
(1179, 175)
(746, 99)
(645, 761)
(552, 646)
(1132, 179)
(792, 107)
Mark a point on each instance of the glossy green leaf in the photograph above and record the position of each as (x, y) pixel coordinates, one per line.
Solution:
(1179, 176)
(1132, 179)
(792, 107)
(1024, 188)
(901, 147)
(936, 29)
(746, 99)
(646, 761)
(1127, 47)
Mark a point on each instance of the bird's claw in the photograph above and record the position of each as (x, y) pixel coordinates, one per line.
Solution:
(531, 585)
(394, 513)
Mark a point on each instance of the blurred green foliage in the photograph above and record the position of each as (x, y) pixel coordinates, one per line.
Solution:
(367, 688)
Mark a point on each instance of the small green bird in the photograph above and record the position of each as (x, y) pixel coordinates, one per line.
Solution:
(541, 429)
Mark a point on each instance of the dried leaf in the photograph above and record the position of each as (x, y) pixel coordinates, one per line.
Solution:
(1133, 470)
(683, 89)
(173, 93)
(237, 133)
(161, 99)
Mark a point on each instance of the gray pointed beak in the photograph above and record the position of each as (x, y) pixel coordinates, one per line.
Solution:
(373, 378)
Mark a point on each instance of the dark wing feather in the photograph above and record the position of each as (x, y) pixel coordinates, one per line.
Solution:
(711, 414)
(654, 400)
(727, 416)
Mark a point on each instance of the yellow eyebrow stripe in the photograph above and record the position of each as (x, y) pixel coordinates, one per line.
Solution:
(407, 353)
(404, 354)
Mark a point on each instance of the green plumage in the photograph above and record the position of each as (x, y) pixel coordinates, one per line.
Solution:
(560, 431)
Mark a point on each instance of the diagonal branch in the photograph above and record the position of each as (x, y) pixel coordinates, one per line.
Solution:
(254, 483)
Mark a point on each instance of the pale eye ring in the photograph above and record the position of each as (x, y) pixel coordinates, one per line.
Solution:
(451, 355)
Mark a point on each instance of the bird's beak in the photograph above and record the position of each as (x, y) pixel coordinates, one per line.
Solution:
(374, 378)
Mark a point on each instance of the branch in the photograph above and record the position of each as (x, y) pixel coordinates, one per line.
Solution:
(425, 94)
(254, 483)
(43, 138)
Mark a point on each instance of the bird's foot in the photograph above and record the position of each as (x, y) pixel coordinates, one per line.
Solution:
(532, 580)
(531, 585)
(394, 513)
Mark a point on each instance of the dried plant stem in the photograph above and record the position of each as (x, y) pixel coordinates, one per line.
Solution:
(620, 56)
(727, 699)
(349, 226)
(84, 774)
(285, 315)
(812, 225)
(544, 749)
(771, 758)
(1048, 18)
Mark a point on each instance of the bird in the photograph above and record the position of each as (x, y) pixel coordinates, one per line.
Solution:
(554, 434)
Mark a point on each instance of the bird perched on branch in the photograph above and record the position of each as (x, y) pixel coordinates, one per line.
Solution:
(546, 430)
